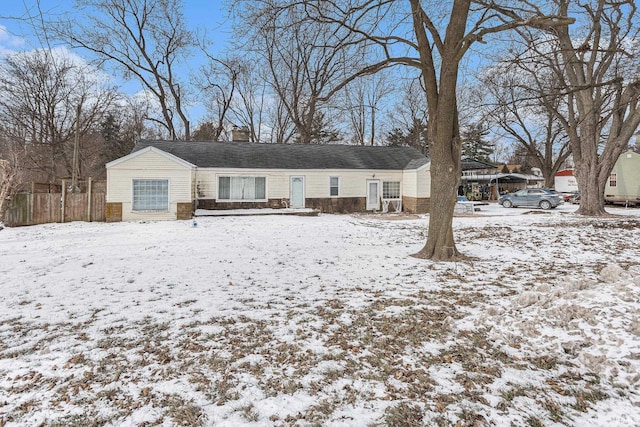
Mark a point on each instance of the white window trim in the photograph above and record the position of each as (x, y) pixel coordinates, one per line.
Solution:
(399, 190)
(152, 210)
(330, 178)
(266, 188)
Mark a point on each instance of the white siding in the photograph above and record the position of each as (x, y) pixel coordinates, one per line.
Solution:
(627, 170)
(424, 181)
(352, 182)
(149, 165)
(417, 182)
(185, 181)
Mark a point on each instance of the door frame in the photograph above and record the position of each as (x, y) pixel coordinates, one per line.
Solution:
(304, 197)
(369, 206)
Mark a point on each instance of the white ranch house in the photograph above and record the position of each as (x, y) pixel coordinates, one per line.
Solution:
(164, 180)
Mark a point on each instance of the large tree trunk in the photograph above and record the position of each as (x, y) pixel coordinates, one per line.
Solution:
(591, 190)
(443, 129)
(445, 173)
(592, 170)
(603, 104)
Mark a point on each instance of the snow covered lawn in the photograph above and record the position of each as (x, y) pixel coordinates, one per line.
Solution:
(281, 320)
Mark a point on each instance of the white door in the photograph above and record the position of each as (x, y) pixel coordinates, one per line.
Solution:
(296, 199)
(373, 195)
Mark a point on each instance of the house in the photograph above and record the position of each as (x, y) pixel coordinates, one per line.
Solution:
(623, 186)
(169, 179)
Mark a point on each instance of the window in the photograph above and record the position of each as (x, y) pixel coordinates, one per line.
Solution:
(391, 189)
(334, 185)
(150, 195)
(242, 188)
(613, 180)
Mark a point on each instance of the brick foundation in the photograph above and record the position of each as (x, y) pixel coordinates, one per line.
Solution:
(184, 211)
(416, 204)
(327, 205)
(113, 212)
(212, 204)
(338, 204)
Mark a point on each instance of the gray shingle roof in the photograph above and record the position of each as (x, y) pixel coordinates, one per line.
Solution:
(245, 155)
(473, 164)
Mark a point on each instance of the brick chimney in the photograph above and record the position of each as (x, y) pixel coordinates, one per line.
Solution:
(239, 134)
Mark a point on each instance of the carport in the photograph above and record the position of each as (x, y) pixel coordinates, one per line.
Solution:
(498, 183)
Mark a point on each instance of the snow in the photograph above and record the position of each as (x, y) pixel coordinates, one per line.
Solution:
(305, 320)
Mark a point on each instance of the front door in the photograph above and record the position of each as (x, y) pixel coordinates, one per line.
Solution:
(296, 198)
(373, 195)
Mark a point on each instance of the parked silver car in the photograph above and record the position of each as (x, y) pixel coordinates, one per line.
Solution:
(533, 198)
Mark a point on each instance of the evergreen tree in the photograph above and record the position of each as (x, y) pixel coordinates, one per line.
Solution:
(116, 142)
(110, 128)
(321, 132)
(474, 144)
(205, 131)
(396, 138)
(416, 137)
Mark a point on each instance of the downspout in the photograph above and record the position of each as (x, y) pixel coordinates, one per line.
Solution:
(194, 188)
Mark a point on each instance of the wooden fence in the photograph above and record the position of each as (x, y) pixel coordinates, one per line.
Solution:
(41, 205)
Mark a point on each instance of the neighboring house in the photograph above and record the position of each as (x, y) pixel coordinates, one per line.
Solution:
(565, 181)
(477, 167)
(169, 179)
(623, 186)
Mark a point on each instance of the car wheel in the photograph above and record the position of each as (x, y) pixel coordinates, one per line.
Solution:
(507, 204)
(545, 204)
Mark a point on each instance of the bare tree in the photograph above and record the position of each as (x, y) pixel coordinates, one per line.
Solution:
(145, 39)
(592, 70)
(410, 115)
(249, 108)
(305, 62)
(218, 81)
(282, 129)
(438, 38)
(363, 99)
(122, 126)
(521, 118)
(46, 99)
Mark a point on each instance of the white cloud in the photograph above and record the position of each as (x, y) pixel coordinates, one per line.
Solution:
(8, 41)
(62, 54)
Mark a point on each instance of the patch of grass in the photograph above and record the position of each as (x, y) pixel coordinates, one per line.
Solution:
(545, 362)
(183, 412)
(223, 391)
(513, 392)
(556, 413)
(404, 415)
(534, 422)
(585, 398)
(469, 417)
(26, 407)
(320, 411)
(249, 413)
(91, 419)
